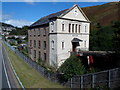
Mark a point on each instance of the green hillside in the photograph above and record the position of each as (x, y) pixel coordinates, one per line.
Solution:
(104, 14)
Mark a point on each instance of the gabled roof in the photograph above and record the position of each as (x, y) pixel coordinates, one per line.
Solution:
(46, 19)
(73, 8)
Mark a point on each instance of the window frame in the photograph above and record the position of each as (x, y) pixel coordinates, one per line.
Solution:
(34, 43)
(44, 45)
(52, 26)
(45, 57)
(39, 32)
(53, 44)
(39, 44)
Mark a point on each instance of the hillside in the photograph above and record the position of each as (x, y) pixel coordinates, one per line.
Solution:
(6, 25)
(20, 31)
(103, 14)
(13, 30)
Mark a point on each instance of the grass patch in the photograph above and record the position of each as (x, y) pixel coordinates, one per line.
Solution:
(28, 76)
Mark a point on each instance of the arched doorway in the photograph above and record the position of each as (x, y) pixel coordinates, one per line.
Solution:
(75, 43)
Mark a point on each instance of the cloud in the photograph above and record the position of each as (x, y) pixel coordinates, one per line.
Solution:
(30, 1)
(4, 17)
(18, 23)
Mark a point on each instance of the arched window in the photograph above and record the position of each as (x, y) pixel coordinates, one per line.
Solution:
(63, 26)
(52, 26)
(53, 44)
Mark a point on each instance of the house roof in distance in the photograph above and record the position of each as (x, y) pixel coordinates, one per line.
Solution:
(46, 19)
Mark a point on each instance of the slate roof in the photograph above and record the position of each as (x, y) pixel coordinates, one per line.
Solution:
(46, 19)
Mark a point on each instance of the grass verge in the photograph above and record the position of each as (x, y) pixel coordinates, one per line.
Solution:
(28, 76)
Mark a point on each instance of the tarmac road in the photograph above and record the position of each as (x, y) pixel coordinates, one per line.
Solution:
(8, 78)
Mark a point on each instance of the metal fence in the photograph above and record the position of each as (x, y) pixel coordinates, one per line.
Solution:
(104, 79)
(50, 75)
(40, 69)
(108, 78)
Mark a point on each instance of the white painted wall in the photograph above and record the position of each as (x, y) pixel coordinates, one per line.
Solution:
(67, 38)
(53, 51)
(58, 55)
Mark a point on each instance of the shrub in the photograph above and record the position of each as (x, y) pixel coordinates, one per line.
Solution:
(72, 66)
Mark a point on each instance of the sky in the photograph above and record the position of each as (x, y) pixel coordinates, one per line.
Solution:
(25, 13)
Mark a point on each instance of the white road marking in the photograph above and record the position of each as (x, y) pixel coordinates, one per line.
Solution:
(5, 71)
(14, 71)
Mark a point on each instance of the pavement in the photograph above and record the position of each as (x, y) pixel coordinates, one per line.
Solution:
(7, 79)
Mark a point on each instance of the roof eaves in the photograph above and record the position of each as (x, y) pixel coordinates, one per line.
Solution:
(83, 14)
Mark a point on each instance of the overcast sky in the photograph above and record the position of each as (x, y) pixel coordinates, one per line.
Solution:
(25, 13)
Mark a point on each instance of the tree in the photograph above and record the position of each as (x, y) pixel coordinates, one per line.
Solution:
(116, 26)
(20, 31)
(102, 38)
(72, 66)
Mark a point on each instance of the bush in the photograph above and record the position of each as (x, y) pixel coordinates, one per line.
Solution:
(72, 66)
(40, 61)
